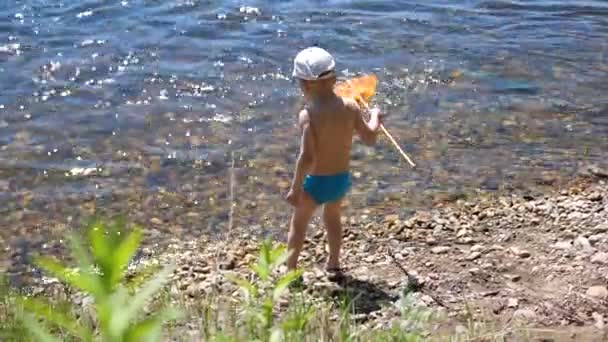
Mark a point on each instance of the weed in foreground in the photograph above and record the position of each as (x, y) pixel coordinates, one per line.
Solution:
(102, 265)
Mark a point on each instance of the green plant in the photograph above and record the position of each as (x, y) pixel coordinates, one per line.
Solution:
(11, 328)
(298, 318)
(261, 295)
(100, 273)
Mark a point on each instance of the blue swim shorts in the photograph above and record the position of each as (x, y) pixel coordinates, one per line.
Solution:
(327, 189)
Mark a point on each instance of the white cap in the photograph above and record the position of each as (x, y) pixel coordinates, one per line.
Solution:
(311, 63)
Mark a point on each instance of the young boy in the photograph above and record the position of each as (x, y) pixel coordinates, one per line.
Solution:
(322, 178)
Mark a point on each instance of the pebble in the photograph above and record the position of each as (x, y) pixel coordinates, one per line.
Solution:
(228, 264)
(391, 218)
(600, 228)
(477, 248)
(600, 258)
(473, 256)
(582, 243)
(565, 245)
(600, 292)
(599, 320)
(512, 303)
(440, 249)
(513, 277)
(156, 221)
(524, 314)
(460, 330)
(520, 252)
(596, 238)
(598, 171)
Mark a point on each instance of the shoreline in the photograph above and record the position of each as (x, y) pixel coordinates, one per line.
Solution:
(499, 259)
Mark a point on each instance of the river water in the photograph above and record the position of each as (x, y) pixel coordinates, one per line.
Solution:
(127, 103)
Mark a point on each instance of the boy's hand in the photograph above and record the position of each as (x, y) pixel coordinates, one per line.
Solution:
(376, 114)
(293, 196)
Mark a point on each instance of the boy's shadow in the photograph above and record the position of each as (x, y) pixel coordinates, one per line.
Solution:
(363, 297)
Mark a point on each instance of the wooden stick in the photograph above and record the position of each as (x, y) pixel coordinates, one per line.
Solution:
(390, 137)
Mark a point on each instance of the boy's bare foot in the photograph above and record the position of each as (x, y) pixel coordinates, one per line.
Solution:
(334, 274)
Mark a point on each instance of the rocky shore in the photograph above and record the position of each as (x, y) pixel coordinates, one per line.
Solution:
(541, 261)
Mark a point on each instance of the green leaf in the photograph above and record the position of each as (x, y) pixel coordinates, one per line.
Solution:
(246, 286)
(79, 253)
(123, 254)
(37, 330)
(261, 270)
(279, 260)
(99, 242)
(276, 252)
(61, 319)
(284, 282)
(85, 264)
(276, 335)
(113, 316)
(150, 328)
(143, 295)
(79, 280)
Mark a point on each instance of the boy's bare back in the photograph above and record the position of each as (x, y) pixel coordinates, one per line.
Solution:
(332, 124)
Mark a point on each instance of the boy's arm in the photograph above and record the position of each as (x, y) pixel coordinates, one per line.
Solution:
(305, 158)
(367, 131)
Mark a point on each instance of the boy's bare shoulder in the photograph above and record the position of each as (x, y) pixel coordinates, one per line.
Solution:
(351, 105)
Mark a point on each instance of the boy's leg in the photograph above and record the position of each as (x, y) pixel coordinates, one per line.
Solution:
(331, 218)
(297, 230)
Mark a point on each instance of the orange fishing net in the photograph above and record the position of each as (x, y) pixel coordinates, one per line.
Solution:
(360, 89)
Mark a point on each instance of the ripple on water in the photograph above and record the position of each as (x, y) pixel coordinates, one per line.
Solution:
(478, 92)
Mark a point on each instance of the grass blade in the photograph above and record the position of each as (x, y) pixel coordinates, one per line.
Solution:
(284, 282)
(123, 254)
(61, 319)
(145, 293)
(150, 328)
(37, 330)
(77, 279)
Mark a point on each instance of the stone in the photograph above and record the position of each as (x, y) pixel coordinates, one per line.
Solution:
(473, 256)
(598, 171)
(600, 228)
(497, 248)
(600, 258)
(474, 270)
(391, 218)
(520, 252)
(513, 277)
(440, 250)
(563, 245)
(156, 221)
(490, 293)
(599, 292)
(524, 314)
(477, 248)
(596, 238)
(460, 330)
(431, 241)
(582, 243)
(228, 264)
(512, 303)
(599, 320)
